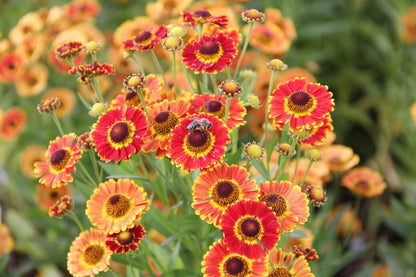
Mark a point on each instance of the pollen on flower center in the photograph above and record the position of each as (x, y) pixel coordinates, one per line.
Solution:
(142, 36)
(93, 254)
(249, 228)
(209, 48)
(164, 122)
(117, 205)
(276, 202)
(225, 193)
(280, 272)
(235, 266)
(125, 238)
(60, 158)
(119, 132)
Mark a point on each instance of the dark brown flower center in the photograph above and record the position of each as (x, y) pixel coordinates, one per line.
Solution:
(119, 132)
(162, 117)
(125, 238)
(60, 158)
(280, 272)
(93, 254)
(235, 266)
(300, 102)
(214, 107)
(164, 122)
(201, 13)
(362, 184)
(132, 99)
(117, 205)
(143, 36)
(225, 193)
(276, 202)
(198, 138)
(250, 228)
(209, 48)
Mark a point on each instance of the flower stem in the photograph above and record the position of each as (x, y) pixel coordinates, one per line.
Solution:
(159, 67)
(282, 165)
(188, 79)
(94, 165)
(97, 89)
(89, 93)
(227, 109)
(174, 72)
(250, 29)
(266, 117)
(57, 123)
(136, 59)
(87, 175)
(75, 218)
(140, 93)
(306, 173)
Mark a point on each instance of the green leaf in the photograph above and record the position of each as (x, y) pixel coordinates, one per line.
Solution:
(85, 190)
(234, 158)
(261, 168)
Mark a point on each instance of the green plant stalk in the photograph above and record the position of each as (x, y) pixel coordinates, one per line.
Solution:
(114, 272)
(188, 79)
(136, 59)
(227, 109)
(97, 89)
(174, 73)
(349, 228)
(296, 165)
(266, 117)
(282, 166)
(91, 181)
(214, 83)
(95, 166)
(57, 123)
(243, 51)
(75, 218)
(83, 101)
(140, 93)
(89, 93)
(306, 173)
(159, 67)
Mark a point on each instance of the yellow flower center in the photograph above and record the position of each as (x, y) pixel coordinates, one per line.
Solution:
(125, 238)
(117, 205)
(235, 266)
(59, 159)
(276, 202)
(93, 254)
(254, 151)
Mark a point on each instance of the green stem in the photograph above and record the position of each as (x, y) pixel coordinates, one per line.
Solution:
(296, 165)
(214, 83)
(87, 175)
(83, 101)
(266, 117)
(75, 218)
(97, 89)
(57, 123)
(95, 166)
(89, 93)
(174, 73)
(188, 79)
(250, 29)
(227, 108)
(136, 59)
(282, 166)
(349, 228)
(140, 93)
(306, 173)
(159, 67)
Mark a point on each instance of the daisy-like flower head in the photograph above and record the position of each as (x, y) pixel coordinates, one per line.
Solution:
(364, 181)
(68, 50)
(80, 11)
(62, 154)
(230, 88)
(172, 43)
(254, 150)
(319, 133)
(87, 71)
(288, 202)
(33, 81)
(202, 16)
(269, 39)
(60, 207)
(198, 142)
(11, 67)
(246, 222)
(6, 240)
(125, 241)
(339, 157)
(88, 254)
(210, 53)
(66, 98)
(165, 116)
(221, 261)
(286, 264)
(46, 196)
(216, 105)
(12, 123)
(30, 155)
(116, 205)
(303, 107)
(119, 133)
(216, 189)
(145, 40)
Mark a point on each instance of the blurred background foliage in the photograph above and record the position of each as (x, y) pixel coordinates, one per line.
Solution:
(353, 47)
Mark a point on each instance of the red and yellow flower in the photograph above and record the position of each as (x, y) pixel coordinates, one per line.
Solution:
(247, 222)
(210, 53)
(118, 133)
(47, 196)
(364, 181)
(287, 201)
(31, 154)
(12, 123)
(11, 67)
(202, 16)
(62, 154)
(115, 206)
(216, 189)
(198, 148)
(286, 264)
(145, 40)
(125, 241)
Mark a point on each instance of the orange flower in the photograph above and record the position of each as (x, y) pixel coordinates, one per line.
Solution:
(11, 67)
(339, 157)
(12, 123)
(88, 254)
(163, 10)
(6, 240)
(47, 196)
(409, 25)
(33, 81)
(82, 10)
(28, 157)
(116, 205)
(285, 264)
(269, 39)
(364, 181)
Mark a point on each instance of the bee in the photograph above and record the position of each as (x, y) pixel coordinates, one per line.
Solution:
(202, 124)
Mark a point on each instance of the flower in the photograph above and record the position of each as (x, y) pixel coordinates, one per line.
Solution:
(48, 105)
(145, 40)
(68, 50)
(197, 145)
(6, 240)
(230, 88)
(221, 261)
(134, 82)
(118, 133)
(87, 71)
(210, 53)
(124, 241)
(216, 105)
(116, 205)
(408, 22)
(60, 207)
(285, 264)
(12, 123)
(318, 134)
(47, 196)
(62, 154)
(202, 16)
(364, 181)
(31, 154)
(165, 116)
(302, 107)
(80, 11)
(164, 9)
(253, 15)
(316, 195)
(245, 223)
(216, 189)
(33, 81)
(253, 150)
(269, 39)
(287, 201)
(339, 157)
(413, 111)
(66, 98)
(11, 67)
(304, 240)
(88, 255)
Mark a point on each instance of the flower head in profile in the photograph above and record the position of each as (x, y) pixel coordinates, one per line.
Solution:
(88, 254)
(115, 206)
(61, 206)
(304, 106)
(125, 241)
(12, 123)
(339, 157)
(62, 154)
(288, 202)
(286, 264)
(118, 133)
(221, 261)
(68, 50)
(364, 181)
(86, 72)
(198, 142)
(145, 40)
(47, 196)
(202, 16)
(31, 154)
(210, 53)
(245, 223)
(216, 189)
